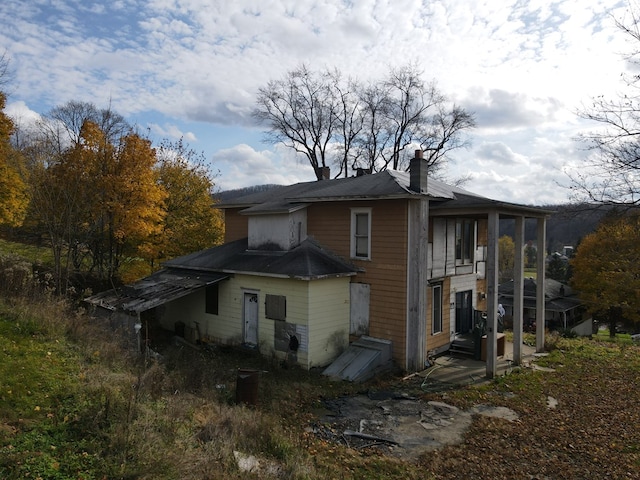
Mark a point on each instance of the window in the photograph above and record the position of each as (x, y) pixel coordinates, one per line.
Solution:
(465, 239)
(275, 307)
(211, 299)
(361, 233)
(436, 309)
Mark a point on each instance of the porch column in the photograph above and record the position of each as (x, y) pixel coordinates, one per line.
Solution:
(492, 293)
(416, 334)
(518, 295)
(540, 283)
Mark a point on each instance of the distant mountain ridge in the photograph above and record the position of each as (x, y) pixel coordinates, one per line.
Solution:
(566, 226)
(227, 195)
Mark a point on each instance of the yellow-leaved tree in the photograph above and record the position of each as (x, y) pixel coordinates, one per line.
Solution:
(14, 198)
(191, 222)
(606, 271)
(506, 258)
(96, 194)
(125, 204)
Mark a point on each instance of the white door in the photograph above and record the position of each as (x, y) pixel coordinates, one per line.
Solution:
(360, 295)
(251, 318)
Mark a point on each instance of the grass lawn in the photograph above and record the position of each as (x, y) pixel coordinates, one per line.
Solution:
(73, 405)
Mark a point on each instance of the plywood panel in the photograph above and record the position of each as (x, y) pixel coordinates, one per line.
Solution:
(235, 225)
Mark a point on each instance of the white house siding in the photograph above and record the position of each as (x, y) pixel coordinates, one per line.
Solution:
(284, 230)
(324, 302)
(462, 283)
(437, 253)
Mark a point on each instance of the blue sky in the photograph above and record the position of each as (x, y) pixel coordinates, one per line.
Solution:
(191, 69)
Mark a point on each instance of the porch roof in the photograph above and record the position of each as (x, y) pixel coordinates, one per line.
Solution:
(156, 289)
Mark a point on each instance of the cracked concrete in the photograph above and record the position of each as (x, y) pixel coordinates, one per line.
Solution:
(407, 426)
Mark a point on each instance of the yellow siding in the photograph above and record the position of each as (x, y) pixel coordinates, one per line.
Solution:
(321, 306)
(386, 272)
(329, 329)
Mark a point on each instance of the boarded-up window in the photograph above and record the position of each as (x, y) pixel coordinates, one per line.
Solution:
(275, 307)
(211, 299)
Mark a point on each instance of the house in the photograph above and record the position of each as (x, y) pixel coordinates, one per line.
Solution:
(563, 309)
(307, 268)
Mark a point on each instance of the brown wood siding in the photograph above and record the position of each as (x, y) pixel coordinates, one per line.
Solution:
(236, 226)
(386, 272)
(482, 231)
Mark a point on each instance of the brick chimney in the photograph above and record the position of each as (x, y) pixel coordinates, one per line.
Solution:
(418, 173)
(323, 173)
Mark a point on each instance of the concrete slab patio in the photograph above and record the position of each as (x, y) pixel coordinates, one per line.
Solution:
(451, 371)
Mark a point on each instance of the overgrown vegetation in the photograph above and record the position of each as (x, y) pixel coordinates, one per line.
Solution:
(75, 404)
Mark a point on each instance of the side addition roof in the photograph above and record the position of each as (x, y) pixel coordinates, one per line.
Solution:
(307, 261)
(156, 289)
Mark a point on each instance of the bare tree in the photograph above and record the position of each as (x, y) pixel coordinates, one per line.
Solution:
(5, 72)
(408, 104)
(374, 138)
(300, 112)
(346, 123)
(444, 133)
(610, 175)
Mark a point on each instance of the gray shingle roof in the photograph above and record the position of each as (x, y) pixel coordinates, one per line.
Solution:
(306, 261)
(382, 185)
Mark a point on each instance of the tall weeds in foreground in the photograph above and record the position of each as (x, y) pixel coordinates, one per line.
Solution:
(74, 403)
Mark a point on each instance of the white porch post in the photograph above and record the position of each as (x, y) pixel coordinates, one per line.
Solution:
(540, 283)
(518, 295)
(492, 293)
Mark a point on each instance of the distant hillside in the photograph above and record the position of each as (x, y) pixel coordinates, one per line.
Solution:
(227, 195)
(567, 226)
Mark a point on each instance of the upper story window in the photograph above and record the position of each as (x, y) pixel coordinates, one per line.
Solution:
(361, 233)
(465, 241)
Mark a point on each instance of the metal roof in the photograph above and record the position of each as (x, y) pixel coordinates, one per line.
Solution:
(156, 289)
(558, 297)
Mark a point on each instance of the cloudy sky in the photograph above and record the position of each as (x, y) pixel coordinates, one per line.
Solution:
(191, 69)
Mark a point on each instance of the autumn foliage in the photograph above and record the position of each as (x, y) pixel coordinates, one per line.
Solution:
(13, 190)
(605, 269)
(105, 198)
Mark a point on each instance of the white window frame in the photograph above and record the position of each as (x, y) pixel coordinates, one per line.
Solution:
(436, 315)
(355, 212)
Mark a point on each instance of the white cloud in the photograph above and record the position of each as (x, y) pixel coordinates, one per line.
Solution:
(245, 166)
(523, 67)
(171, 132)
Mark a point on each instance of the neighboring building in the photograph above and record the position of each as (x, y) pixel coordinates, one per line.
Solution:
(563, 308)
(392, 255)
